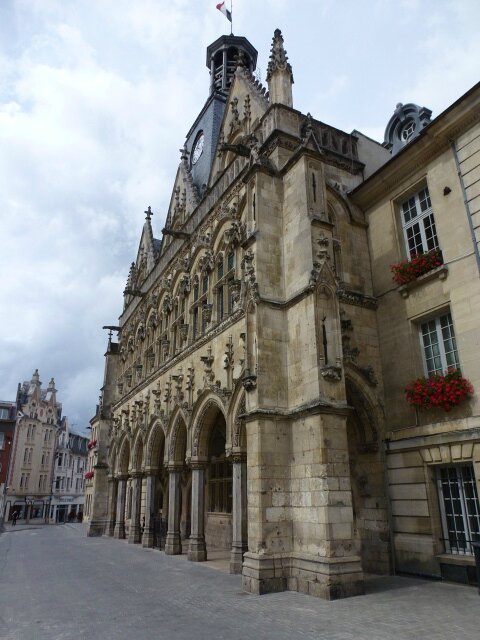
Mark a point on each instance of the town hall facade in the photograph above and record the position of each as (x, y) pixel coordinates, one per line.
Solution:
(246, 403)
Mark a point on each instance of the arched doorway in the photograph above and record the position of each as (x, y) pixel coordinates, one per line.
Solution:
(367, 477)
(218, 481)
(178, 482)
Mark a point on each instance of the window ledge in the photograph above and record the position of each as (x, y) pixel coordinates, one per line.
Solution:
(439, 272)
(458, 559)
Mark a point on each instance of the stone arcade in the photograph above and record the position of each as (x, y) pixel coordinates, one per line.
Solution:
(242, 405)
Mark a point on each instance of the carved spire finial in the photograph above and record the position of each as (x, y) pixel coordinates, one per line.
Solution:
(149, 213)
(279, 73)
(278, 57)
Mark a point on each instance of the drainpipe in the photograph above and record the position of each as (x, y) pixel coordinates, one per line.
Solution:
(465, 202)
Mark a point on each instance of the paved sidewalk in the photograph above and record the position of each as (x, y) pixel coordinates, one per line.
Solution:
(58, 584)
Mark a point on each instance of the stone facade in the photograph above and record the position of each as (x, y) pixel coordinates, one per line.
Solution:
(38, 423)
(244, 406)
(423, 446)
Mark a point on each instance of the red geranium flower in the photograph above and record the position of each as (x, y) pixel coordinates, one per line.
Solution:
(409, 270)
(445, 391)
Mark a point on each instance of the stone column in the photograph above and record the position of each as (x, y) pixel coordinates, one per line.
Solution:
(119, 531)
(173, 545)
(148, 533)
(197, 551)
(134, 534)
(239, 508)
(112, 503)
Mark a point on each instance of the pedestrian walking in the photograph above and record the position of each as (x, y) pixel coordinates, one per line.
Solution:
(14, 518)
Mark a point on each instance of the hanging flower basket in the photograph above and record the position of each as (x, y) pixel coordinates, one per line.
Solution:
(444, 391)
(409, 270)
(89, 475)
(91, 444)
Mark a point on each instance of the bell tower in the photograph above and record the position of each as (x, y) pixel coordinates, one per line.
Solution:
(201, 140)
(222, 59)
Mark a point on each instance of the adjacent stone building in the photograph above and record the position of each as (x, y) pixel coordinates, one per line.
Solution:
(257, 386)
(427, 199)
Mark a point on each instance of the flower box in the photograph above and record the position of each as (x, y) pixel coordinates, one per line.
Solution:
(89, 475)
(444, 391)
(409, 270)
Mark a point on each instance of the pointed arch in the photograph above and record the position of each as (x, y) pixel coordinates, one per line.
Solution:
(154, 442)
(137, 457)
(206, 407)
(369, 414)
(238, 436)
(123, 458)
(177, 438)
(112, 456)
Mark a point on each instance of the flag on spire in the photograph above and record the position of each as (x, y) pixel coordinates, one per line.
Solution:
(228, 14)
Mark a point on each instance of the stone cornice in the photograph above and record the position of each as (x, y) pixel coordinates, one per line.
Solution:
(314, 407)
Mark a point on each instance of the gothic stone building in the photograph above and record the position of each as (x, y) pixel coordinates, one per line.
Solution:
(262, 349)
(38, 422)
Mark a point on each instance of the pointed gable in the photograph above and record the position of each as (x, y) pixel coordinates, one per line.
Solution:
(247, 102)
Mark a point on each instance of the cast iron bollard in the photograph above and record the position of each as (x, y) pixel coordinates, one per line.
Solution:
(476, 550)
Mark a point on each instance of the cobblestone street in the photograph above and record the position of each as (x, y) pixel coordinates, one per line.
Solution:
(58, 584)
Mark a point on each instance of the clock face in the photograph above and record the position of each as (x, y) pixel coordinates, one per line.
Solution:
(198, 148)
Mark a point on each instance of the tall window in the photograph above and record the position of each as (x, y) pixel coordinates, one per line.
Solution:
(459, 508)
(439, 344)
(220, 486)
(418, 223)
(220, 304)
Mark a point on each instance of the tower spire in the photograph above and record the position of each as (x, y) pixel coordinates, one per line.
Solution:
(279, 73)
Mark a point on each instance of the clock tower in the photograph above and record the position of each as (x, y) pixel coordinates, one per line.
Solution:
(201, 140)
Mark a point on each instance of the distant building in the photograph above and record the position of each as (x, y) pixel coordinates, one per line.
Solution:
(8, 411)
(68, 475)
(39, 420)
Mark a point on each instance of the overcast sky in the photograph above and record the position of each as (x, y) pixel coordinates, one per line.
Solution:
(96, 97)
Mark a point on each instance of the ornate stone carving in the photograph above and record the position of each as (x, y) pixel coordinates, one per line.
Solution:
(209, 375)
(235, 287)
(207, 312)
(183, 329)
(235, 234)
(185, 284)
(278, 57)
(167, 282)
(178, 378)
(153, 320)
(249, 381)
(157, 403)
(331, 373)
(206, 262)
(190, 384)
(165, 346)
(356, 298)
(227, 211)
(235, 122)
